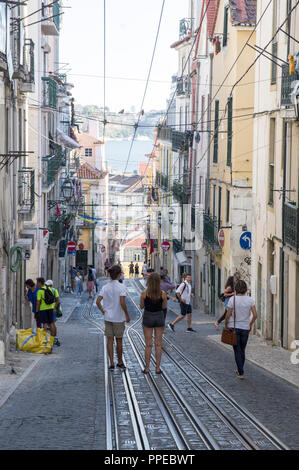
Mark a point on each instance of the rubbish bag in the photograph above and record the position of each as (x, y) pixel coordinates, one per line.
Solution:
(38, 342)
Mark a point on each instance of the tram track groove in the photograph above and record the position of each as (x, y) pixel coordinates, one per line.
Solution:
(266, 439)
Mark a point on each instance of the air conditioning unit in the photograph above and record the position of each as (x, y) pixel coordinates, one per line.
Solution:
(273, 285)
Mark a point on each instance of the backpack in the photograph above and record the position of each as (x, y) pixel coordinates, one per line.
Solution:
(176, 294)
(49, 296)
(90, 277)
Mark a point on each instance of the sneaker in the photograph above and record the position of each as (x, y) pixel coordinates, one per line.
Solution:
(191, 330)
(121, 366)
(56, 342)
(111, 367)
(170, 326)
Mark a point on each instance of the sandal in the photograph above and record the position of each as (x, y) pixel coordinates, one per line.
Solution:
(159, 372)
(145, 371)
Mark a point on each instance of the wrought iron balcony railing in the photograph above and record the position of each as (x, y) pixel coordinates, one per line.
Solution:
(51, 164)
(27, 85)
(26, 190)
(184, 86)
(291, 226)
(165, 133)
(210, 232)
(49, 92)
(185, 27)
(286, 85)
(179, 193)
(181, 141)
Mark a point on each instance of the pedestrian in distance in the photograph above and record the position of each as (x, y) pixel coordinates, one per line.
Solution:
(90, 282)
(81, 271)
(31, 291)
(45, 306)
(131, 270)
(167, 287)
(154, 301)
(50, 285)
(144, 269)
(184, 294)
(73, 271)
(94, 273)
(228, 293)
(114, 308)
(107, 265)
(79, 283)
(241, 306)
(136, 270)
(165, 273)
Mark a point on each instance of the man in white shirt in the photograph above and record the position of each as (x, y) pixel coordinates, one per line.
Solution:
(144, 269)
(94, 273)
(184, 294)
(115, 312)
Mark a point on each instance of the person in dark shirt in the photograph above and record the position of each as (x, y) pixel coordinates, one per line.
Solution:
(31, 296)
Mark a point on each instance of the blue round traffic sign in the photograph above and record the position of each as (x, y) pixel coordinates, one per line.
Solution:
(245, 241)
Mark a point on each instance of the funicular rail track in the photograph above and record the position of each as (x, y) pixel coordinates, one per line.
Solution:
(241, 428)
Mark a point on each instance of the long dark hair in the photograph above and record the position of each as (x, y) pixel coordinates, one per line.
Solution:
(153, 290)
(230, 283)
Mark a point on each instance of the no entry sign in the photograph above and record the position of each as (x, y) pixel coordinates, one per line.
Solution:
(71, 247)
(144, 246)
(165, 246)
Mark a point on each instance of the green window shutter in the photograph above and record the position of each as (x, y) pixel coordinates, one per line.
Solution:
(216, 124)
(229, 130)
(225, 27)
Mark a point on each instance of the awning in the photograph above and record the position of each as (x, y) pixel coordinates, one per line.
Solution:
(67, 141)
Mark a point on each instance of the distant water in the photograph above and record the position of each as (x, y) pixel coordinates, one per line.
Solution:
(117, 151)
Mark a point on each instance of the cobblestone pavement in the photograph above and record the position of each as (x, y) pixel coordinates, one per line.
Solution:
(59, 405)
(60, 402)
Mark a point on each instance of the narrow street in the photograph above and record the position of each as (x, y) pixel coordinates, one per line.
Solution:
(65, 392)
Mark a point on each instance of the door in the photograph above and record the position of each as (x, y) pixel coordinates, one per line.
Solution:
(213, 289)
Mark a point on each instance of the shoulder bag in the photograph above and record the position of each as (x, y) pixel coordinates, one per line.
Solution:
(229, 335)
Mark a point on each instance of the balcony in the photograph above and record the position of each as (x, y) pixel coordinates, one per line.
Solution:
(28, 83)
(183, 86)
(291, 226)
(57, 231)
(165, 133)
(26, 179)
(162, 181)
(51, 164)
(50, 24)
(286, 86)
(210, 232)
(181, 141)
(179, 193)
(49, 93)
(185, 27)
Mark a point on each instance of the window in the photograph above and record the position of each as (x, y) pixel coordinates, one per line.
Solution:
(271, 161)
(88, 152)
(219, 282)
(227, 205)
(214, 200)
(216, 124)
(225, 26)
(219, 206)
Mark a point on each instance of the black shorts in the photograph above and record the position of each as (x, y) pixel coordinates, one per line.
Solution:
(153, 319)
(185, 309)
(46, 316)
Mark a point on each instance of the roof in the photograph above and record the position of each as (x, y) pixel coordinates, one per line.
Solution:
(87, 172)
(86, 140)
(212, 12)
(135, 242)
(132, 183)
(243, 12)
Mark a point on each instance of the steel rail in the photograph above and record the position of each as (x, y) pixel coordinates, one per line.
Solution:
(276, 442)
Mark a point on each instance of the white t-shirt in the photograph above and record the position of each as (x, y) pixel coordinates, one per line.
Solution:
(111, 294)
(144, 268)
(243, 308)
(185, 291)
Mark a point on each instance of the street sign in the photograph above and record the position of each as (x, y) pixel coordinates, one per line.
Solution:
(165, 246)
(81, 246)
(71, 247)
(221, 238)
(245, 241)
(144, 246)
(103, 249)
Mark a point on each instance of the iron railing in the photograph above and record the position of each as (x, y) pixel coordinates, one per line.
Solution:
(210, 231)
(185, 27)
(26, 182)
(291, 226)
(286, 85)
(183, 86)
(29, 57)
(165, 133)
(49, 92)
(51, 164)
(179, 193)
(180, 141)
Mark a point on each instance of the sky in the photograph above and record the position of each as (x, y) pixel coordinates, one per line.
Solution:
(131, 27)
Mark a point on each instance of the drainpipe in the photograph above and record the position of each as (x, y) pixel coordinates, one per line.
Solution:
(282, 258)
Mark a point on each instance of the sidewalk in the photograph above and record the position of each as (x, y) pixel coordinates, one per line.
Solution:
(19, 364)
(273, 359)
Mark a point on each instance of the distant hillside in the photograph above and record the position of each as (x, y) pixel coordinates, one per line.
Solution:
(116, 127)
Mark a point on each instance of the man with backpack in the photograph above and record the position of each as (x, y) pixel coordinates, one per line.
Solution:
(45, 305)
(184, 294)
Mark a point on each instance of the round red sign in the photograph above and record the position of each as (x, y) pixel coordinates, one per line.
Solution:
(221, 238)
(165, 246)
(103, 249)
(81, 246)
(71, 246)
(144, 246)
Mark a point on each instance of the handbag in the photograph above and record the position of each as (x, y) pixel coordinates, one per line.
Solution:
(229, 335)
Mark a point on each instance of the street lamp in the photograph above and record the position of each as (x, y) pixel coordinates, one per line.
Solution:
(67, 189)
(171, 215)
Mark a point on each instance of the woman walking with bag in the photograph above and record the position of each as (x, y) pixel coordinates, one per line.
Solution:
(240, 306)
(153, 300)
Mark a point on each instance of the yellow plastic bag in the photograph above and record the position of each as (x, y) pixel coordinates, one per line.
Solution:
(38, 342)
